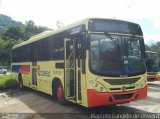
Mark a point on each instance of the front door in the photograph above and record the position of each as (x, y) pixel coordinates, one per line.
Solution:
(73, 66)
(70, 73)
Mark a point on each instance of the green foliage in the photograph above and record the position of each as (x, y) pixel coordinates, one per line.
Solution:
(7, 82)
(154, 47)
(31, 29)
(6, 21)
(13, 32)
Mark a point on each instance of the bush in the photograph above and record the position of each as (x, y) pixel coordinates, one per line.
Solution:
(6, 82)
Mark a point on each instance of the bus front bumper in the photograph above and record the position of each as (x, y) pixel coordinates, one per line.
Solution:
(100, 98)
(158, 78)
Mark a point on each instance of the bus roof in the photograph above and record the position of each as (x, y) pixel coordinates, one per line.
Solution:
(52, 32)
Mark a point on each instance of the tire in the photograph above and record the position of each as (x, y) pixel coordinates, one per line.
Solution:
(60, 94)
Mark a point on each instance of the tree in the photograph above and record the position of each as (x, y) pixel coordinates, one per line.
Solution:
(31, 29)
(14, 35)
(147, 48)
(13, 32)
(6, 21)
(2, 43)
(154, 47)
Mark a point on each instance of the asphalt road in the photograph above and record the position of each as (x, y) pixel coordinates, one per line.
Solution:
(29, 104)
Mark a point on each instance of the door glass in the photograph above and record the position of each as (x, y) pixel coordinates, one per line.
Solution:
(70, 69)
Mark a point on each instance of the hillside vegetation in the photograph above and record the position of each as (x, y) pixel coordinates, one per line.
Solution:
(13, 32)
(154, 47)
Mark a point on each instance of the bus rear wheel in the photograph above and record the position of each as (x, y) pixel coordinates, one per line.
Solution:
(60, 94)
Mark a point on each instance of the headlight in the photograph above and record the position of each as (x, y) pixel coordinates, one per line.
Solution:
(98, 86)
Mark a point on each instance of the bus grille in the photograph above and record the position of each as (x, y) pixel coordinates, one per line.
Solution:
(122, 81)
(123, 96)
(112, 89)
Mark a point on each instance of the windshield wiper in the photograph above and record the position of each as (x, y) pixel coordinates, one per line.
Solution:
(115, 43)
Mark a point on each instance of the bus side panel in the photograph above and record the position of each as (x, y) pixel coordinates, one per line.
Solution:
(46, 73)
(44, 78)
(26, 74)
(25, 70)
(14, 71)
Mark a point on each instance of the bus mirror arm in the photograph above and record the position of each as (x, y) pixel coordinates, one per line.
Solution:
(83, 66)
(84, 48)
(83, 58)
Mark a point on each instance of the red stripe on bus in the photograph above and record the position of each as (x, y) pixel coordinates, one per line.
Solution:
(102, 98)
(25, 69)
(157, 78)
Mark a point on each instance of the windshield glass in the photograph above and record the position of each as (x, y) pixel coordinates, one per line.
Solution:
(153, 62)
(116, 55)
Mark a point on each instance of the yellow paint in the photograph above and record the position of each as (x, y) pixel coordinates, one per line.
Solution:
(88, 80)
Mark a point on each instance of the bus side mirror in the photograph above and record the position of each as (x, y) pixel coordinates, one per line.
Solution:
(84, 47)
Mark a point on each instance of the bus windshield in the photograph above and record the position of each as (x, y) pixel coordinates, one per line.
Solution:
(153, 62)
(116, 55)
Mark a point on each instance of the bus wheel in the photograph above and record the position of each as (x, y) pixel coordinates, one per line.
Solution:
(60, 94)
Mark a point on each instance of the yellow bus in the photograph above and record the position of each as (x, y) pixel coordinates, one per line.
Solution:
(92, 62)
(153, 65)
